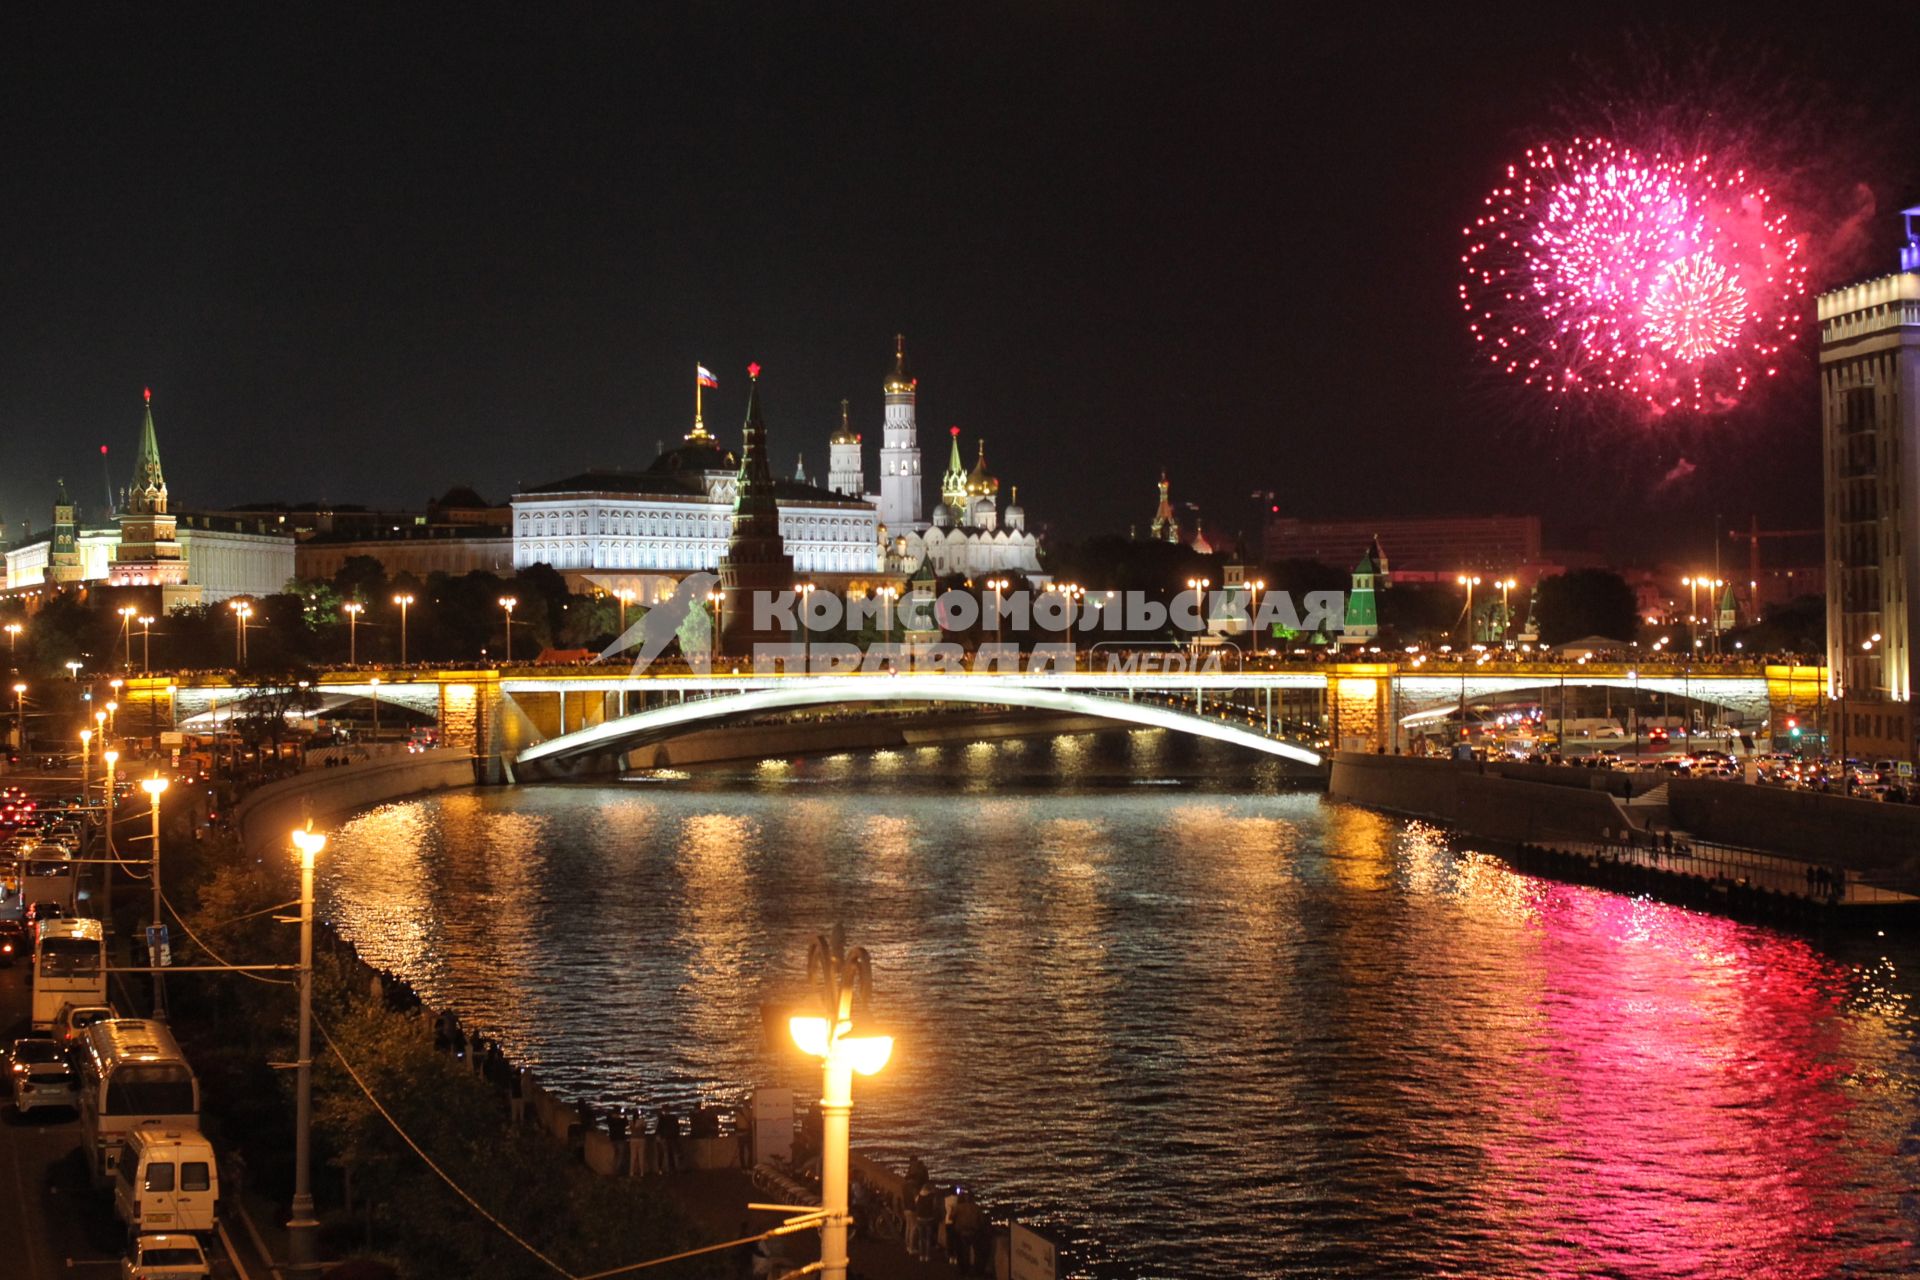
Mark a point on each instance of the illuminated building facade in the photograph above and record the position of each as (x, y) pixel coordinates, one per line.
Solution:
(1870, 433)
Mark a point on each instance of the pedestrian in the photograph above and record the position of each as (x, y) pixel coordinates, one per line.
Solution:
(970, 1223)
(949, 1234)
(926, 1219)
(667, 1129)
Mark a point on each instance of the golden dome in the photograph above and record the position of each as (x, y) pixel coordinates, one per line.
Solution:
(980, 481)
(899, 382)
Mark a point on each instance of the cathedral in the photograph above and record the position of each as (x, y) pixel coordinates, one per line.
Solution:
(968, 533)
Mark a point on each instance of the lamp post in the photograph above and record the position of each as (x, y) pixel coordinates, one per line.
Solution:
(13, 630)
(127, 612)
(806, 590)
(887, 596)
(1254, 589)
(73, 671)
(374, 684)
(20, 716)
(998, 585)
(1469, 581)
(1074, 593)
(1506, 616)
(405, 601)
(146, 643)
(353, 609)
(303, 1227)
(625, 596)
(241, 612)
(112, 758)
(113, 717)
(1199, 588)
(506, 604)
(155, 787)
(842, 979)
(718, 599)
(86, 766)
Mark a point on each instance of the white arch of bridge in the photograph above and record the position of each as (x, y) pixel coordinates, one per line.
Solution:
(812, 692)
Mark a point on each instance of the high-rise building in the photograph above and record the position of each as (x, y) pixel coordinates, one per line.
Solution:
(1870, 432)
(902, 500)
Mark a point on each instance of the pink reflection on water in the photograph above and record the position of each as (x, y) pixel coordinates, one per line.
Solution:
(1678, 1105)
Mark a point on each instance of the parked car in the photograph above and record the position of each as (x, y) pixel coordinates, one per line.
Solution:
(40, 1075)
(71, 1023)
(163, 1257)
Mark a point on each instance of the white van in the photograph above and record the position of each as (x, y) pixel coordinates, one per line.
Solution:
(166, 1180)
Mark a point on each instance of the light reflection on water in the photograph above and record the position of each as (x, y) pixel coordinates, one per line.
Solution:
(1211, 1029)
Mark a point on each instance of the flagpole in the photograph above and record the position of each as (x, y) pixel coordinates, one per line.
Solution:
(698, 424)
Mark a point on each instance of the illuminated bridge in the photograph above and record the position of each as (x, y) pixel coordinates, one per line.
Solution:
(533, 721)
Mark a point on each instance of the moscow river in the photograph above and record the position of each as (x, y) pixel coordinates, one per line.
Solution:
(1200, 1022)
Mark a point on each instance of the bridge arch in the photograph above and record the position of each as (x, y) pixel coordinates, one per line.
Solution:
(615, 735)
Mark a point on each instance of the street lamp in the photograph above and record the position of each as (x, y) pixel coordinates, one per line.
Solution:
(806, 590)
(353, 609)
(718, 599)
(1506, 616)
(86, 765)
(146, 643)
(404, 600)
(507, 603)
(127, 613)
(1199, 588)
(887, 596)
(13, 630)
(374, 684)
(155, 787)
(113, 716)
(625, 596)
(1254, 589)
(1469, 581)
(998, 585)
(241, 612)
(1074, 593)
(73, 670)
(841, 977)
(303, 1227)
(106, 882)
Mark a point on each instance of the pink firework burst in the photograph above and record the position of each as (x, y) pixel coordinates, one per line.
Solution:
(1594, 271)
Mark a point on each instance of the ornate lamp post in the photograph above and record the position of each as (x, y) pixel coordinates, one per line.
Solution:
(405, 601)
(1469, 581)
(806, 590)
(155, 787)
(353, 609)
(303, 1228)
(887, 596)
(506, 605)
(844, 982)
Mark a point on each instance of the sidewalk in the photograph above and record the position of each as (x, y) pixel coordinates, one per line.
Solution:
(716, 1202)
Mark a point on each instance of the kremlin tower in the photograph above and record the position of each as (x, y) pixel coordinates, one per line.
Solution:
(756, 562)
(149, 550)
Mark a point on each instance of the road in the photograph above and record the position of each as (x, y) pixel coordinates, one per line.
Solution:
(54, 1225)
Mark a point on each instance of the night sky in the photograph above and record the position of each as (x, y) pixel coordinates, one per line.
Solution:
(360, 258)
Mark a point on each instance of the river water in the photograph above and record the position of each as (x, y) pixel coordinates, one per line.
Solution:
(1203, 1024)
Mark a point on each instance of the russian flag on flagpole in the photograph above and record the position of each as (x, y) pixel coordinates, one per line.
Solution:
(704, 378)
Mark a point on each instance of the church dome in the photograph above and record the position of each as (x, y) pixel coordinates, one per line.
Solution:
(899, 382)
(942, 516)
(980, 481)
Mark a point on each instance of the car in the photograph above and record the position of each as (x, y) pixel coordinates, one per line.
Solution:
(40, 1075)
(1656, 734)
(163, 1257)
(38, 911)
(71, 1023)
(13, 941)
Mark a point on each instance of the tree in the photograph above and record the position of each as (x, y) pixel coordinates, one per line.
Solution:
(1587, 602)
(321, 600)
